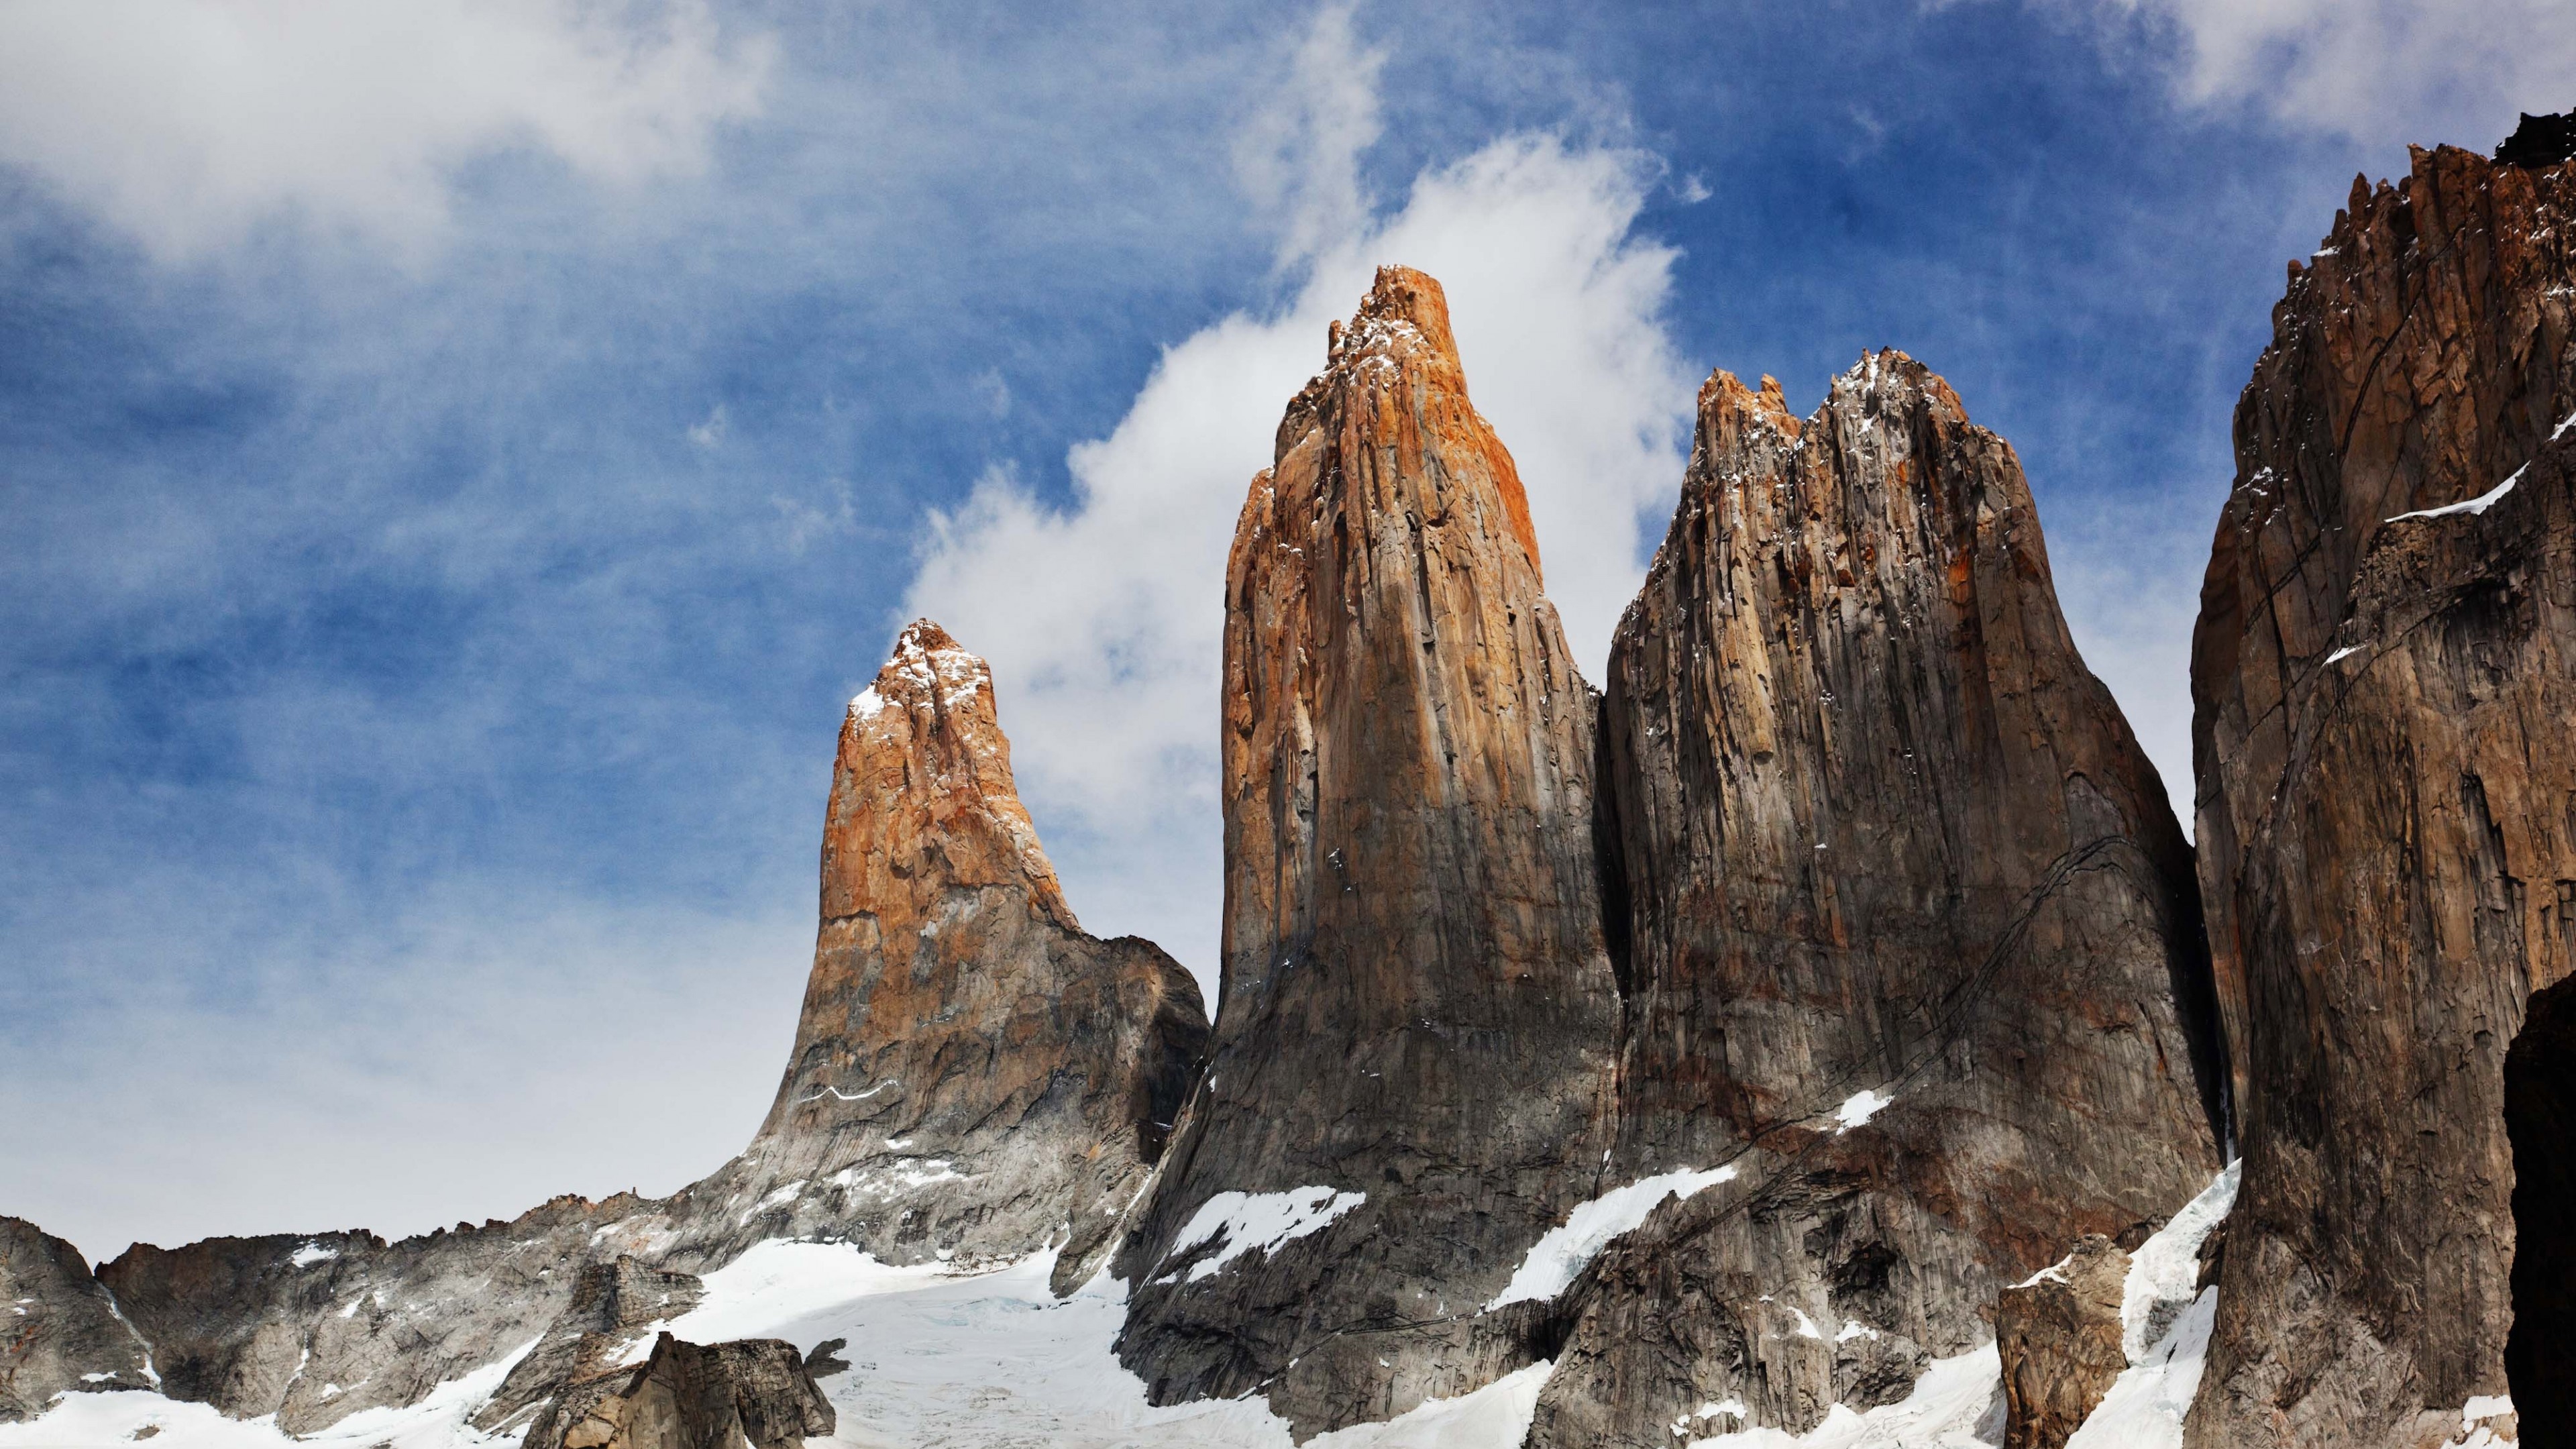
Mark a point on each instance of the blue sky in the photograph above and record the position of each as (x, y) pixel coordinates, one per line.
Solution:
(459, 460)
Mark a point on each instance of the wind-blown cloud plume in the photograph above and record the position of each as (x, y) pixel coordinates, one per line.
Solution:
(190, 123)
(1104, 621)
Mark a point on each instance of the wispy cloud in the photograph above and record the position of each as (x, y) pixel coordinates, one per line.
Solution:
(189, 123)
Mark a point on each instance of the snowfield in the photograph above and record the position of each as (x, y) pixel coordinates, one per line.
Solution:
(990, 1360)
(993, 1360)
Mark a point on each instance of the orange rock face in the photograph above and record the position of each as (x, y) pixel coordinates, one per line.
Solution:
(1418, 1010)
(2382, 685)
(971, 1070)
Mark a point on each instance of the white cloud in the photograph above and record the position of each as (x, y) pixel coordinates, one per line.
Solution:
(1299, 157)
(2380, 71)
(1104, 621)
(191, 122)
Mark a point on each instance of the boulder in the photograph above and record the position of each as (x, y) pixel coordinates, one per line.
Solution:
(752, 1393)
(613, 1304)
(2058, 1334)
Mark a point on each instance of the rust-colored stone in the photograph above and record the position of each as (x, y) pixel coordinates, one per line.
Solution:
(971, 1070)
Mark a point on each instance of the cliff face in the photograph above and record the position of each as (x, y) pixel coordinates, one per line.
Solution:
(2382, 679)
(971, 1070)
(1912, 943)
(59, 1330)
(1411, 1072)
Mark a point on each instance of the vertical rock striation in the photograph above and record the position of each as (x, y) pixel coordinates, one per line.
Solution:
(1411, 1067)
(2382, 679)
(1910, 932)
(971, 1071)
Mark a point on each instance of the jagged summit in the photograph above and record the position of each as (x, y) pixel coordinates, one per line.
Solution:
(929, 805)
(1401, 331)
(970, 1069)
(1912, 945)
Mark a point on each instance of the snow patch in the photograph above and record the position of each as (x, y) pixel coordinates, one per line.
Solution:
(1958, 1403)
(848, 1096)
(1248, 1221)
(2345, 652)
(312, 1253)
(2145, 1406)
(869, 703)
(2475, 1432)
(1862, 1105)
(1554, 1261)
(2479, 504)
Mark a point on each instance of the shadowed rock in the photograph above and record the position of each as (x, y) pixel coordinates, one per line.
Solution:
(2382, 678)
(2540, 1116)
(1912, 944)
(1411, 1071)
(2540, 141)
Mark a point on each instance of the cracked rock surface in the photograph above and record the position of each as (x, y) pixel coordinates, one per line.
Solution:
(2383, 674)
(1411, 1074)
(2058, 1336)
(1908, 930)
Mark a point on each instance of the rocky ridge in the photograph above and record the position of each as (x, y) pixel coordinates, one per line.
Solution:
(1410, 1081)
(1911, 941)
(2382, 675)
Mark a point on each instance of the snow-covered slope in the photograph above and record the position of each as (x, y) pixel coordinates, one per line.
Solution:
(991, 1360)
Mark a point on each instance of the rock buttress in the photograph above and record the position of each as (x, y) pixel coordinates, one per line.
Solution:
(59, 1329)
(2382, 685)
(1913, 942)
(971, 1072)
(1414, 1037)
